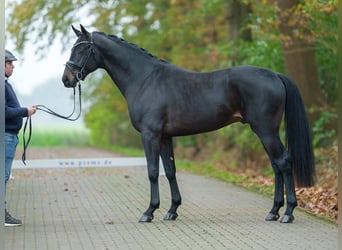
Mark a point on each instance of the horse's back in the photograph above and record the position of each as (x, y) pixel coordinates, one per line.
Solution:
(258, 78)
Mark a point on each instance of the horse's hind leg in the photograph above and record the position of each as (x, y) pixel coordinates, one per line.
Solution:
(166, 153)
(283, 173)
(278, 194)
(284, 164)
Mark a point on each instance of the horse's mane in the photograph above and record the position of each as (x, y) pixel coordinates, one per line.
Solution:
(131, 45)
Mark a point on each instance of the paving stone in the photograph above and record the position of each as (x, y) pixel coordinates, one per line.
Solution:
(99, 208)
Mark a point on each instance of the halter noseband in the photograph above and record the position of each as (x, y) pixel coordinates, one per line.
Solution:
(79, 69)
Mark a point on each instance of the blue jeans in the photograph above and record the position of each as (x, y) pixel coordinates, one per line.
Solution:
(11, 142)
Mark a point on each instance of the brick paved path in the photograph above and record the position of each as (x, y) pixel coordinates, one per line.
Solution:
(99, 208)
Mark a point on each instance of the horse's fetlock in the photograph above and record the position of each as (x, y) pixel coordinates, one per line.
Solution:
(292, 203)
(177, 202)
(279, 204)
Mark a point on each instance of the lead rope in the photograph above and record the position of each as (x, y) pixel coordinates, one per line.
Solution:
(28, 122)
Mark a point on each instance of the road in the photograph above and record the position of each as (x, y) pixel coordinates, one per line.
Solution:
(99, 208)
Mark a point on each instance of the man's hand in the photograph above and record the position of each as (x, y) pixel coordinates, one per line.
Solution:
(31, 110)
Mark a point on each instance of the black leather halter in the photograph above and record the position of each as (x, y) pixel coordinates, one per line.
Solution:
(79, 69)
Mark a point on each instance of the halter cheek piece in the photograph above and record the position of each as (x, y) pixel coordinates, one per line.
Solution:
(78, 69)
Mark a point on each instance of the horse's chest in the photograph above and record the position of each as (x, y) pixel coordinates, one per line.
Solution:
(145, 116)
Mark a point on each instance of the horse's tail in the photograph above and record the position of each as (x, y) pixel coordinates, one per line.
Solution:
(298, 136)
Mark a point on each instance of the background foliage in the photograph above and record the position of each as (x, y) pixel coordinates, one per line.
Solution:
(195, 34)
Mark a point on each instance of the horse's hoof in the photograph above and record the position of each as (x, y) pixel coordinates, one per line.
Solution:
(171, 216)
(146, 218)
(272, 217)
(287, 219)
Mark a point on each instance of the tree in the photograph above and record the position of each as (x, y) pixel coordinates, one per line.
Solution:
(237, 16)
(299, 52)
(199, 35)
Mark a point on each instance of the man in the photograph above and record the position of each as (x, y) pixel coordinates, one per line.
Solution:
(14, 114)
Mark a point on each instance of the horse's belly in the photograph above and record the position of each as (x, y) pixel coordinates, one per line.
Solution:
(192, 124)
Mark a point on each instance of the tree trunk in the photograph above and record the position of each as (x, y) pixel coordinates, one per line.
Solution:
(237, 14)
(299, 54)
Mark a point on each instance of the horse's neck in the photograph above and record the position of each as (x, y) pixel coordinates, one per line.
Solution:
(127, 67)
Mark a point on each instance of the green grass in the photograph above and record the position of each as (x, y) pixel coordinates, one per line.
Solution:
(56, 136)
(135, 152)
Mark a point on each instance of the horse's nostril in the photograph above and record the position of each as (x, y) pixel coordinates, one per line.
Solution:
(65, 80)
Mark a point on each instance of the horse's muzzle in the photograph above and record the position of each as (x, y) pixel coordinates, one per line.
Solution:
(68, 79)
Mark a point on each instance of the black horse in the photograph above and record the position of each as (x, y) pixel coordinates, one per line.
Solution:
(165, 100)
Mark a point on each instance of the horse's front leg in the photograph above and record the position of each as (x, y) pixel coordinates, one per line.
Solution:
(166, 153)
(151, 143)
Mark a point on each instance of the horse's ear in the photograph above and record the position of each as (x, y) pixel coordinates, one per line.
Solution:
(84, 31)
(77, 32)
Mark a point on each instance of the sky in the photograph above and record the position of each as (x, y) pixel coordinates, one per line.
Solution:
(31, 71)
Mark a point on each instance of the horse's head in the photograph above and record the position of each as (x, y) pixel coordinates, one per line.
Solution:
(82, 59)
